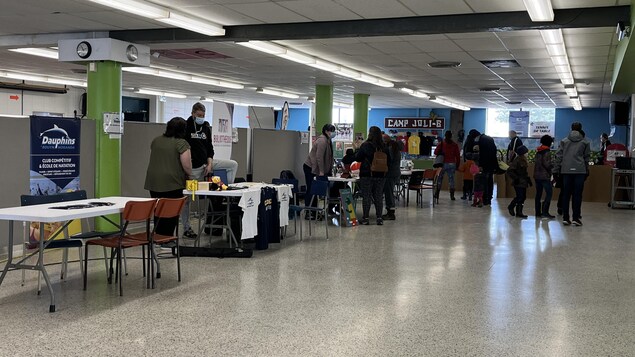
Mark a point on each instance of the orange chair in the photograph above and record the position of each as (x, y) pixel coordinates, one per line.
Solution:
(166, 208)
(134, 211)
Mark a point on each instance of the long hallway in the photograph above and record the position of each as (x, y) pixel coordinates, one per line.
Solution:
(448, 281)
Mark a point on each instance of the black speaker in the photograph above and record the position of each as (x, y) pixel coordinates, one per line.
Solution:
(618, 113)
(83, 105)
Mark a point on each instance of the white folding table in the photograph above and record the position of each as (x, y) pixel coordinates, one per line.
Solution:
(46, 213)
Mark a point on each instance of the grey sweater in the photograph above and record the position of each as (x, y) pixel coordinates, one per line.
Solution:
(573, 155)
(320, 158)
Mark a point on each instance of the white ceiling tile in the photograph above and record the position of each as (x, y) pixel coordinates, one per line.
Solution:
(590, 51)
(324, 10)
(496, 5)
(436, 46)
(401, 47)
(219, 14)
(268, 12)
(530, 42)
(436, 7)
(480, 44)
(377, 8)
(589, 39)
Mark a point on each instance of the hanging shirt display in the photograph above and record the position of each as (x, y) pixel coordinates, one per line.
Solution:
(413, 145)
(249, 203)
(284, 195)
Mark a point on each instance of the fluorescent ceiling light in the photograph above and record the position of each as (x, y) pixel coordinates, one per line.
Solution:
(449, 103)
(182, 76)
(297, 57)
(67, 82)
(161, 94)
(566, 78)
(277, 93)
(563, 69)
(534, 103)
(42, 52)
(384, 83)
(407, 90)
(26, 77)
(325, 65)
(140, 8)
(571, 91)
(342, 105)
(205, 99)
(560, 60)
(263, 46)
(575, 101)
(556, 50)
(368, 78)
(347, 72)
(43, 79)
(539, 10)
(552, 37)
(420, 94)
(192, 24)
(216, 82)
(13, 116)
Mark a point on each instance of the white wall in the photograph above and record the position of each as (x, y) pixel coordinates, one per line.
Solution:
(28, 102)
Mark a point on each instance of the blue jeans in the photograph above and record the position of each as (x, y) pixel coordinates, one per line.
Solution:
(450, 168)
(540, 185)
(572, 186)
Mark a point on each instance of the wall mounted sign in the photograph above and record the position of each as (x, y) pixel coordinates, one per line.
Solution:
(414, 123)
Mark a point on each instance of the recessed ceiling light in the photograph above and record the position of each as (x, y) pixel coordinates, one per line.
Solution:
(489, 89)
(500, 64)
(444, 64)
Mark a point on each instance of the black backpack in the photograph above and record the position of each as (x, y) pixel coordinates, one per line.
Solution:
(287, 175)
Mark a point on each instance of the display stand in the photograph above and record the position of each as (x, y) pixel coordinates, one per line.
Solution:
(622, 188)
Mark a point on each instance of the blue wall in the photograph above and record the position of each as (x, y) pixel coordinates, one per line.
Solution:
(594, 121)
(298, 119)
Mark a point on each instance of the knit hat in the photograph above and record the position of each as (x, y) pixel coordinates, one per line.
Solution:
(521, 150)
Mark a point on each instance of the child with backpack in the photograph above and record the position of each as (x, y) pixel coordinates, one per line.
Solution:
(517, 172)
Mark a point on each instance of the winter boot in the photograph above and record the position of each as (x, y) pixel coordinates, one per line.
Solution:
(545, 210)
(390, 216)
(511, 206)
(464, 197)
(452, 195)
(519, 211)
(538, 209)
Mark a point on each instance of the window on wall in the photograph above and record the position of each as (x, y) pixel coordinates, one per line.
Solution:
(498, 119)
(343, 115)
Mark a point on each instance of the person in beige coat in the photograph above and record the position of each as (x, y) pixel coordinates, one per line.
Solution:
(319, 163)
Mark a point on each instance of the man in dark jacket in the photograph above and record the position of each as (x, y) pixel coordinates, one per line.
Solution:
(513, 144)
(487, 160)
(571, 162)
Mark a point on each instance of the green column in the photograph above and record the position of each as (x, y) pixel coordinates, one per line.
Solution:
(360, 113)
(323, 106)
(104, 95)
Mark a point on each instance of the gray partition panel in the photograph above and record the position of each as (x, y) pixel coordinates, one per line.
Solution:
(274, 151)
(240, 152)
(135, 154)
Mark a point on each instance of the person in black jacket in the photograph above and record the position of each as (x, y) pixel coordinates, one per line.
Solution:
(371, 183)
(394, 174)
(487, 160)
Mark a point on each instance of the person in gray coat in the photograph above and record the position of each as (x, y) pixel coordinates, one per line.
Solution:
(571, 163)
(319, 163)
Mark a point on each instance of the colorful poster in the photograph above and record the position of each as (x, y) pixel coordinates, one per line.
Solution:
(348, 208)
(222, 114)
(519, 122)
(54, 155)
(343, 132)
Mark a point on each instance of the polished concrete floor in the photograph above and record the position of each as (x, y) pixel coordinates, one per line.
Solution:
(448, 281)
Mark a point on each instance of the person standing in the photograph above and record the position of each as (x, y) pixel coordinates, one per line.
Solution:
(517, 171)
(487, 160)
(513, 144)
(371, 182)
(542, 176)
(571, 163)
(319, 163)
(169, 166)
(199, 136)
(451, 160)
(393, 175)
(604, 143)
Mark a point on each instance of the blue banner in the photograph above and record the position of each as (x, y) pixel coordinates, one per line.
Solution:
(54, 155)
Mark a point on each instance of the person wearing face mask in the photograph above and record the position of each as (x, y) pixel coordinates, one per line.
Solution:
(320, 160)
(199, 136)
